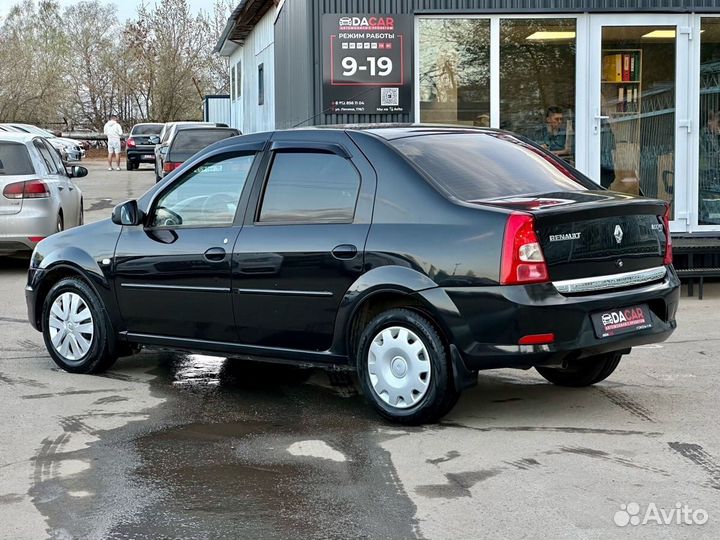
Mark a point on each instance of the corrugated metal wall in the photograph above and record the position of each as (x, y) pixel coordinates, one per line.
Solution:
(259, 49)
(299, 42)
(294, 69)
(217, 109)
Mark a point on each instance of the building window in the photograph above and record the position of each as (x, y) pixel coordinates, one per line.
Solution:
(238, 79)
(261, 84)
(537, 81)
(455, 71)
(709, 188)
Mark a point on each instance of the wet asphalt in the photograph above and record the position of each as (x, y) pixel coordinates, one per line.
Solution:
(171, 445)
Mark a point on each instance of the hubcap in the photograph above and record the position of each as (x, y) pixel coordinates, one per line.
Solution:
(399, 367)
(71, 326)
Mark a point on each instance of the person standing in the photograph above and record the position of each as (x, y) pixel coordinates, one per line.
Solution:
(114, 131)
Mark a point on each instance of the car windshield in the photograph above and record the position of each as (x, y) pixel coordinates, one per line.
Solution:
(147, 129)
(486, 165)
(14, 159)
(194, 140)
(37, 131)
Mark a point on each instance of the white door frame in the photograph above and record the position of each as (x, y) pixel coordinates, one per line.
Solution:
(685, 127)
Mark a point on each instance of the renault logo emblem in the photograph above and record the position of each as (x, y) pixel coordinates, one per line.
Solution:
(618, 234)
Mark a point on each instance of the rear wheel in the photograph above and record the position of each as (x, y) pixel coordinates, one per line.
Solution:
(403, 368)
(75, 328)
(584, 372)
(60, 223)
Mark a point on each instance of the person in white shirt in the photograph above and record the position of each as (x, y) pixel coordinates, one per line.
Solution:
(114, 131)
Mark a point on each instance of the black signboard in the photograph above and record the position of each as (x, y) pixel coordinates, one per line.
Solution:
(367, 64)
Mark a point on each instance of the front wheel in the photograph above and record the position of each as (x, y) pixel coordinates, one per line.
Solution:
(403, 368)
(75, 328)
(583, 372)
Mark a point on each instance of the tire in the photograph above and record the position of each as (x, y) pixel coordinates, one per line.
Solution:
(584, 372)
(157, 174)
(89, 354)
(60, 223)
(81, 215)
(387, 354)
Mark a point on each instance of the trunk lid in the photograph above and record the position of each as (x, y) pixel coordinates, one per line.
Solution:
(594, 233)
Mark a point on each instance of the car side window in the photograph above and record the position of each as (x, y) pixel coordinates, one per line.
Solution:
(310, 187)
(207, 195)
(57, 160)
(47, 158)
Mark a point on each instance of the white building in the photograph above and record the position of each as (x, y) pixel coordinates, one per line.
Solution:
(248, 43)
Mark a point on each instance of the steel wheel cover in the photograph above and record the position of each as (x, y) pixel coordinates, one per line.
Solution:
(71, 327)
(399, 367)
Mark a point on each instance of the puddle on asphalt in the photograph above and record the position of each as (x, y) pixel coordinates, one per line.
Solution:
(238, 449)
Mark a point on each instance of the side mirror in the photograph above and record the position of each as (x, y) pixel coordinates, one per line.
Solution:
(76, 171)
(154, 139)
(127, 213)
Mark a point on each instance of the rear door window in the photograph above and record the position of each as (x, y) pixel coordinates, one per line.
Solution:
(310, 187)
(15, 159)
(486, 165)
(46, 156)
(57, 160)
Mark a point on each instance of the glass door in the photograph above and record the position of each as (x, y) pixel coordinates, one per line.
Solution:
(640, 108)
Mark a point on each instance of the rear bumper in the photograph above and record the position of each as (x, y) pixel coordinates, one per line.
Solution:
(144, 155)
(36, 219)
(490, 321)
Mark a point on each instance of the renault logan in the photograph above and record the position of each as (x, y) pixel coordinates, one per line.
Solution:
(417, 255)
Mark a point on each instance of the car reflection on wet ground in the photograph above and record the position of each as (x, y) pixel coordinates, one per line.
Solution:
(238, 450)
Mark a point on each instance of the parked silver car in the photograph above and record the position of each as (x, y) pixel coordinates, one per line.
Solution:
(38, 197)
(69, 149)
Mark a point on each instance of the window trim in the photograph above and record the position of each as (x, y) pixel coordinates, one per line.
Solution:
(298, 149)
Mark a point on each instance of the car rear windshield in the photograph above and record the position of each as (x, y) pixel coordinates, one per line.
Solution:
(486, 165)
(14, 159)
(147, 129)
(194, 140)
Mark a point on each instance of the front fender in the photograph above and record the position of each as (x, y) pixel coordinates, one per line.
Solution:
(73, 260)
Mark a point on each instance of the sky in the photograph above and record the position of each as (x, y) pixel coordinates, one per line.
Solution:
(125, 8)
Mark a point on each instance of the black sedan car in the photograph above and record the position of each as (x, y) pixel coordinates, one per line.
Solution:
(139, 149)
(417, 255)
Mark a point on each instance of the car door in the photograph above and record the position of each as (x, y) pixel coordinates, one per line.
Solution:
(71, 193)
(172, 274)
(55, 178)
(302, 244)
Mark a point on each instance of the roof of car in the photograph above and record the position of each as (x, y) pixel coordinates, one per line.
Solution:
(17, 136)
(397, 131)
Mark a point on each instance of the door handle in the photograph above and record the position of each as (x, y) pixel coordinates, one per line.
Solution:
(215, 254)
(601, 117)
(344, 251)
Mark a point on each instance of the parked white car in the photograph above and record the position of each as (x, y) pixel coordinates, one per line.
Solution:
(38, 197)
(69, 149)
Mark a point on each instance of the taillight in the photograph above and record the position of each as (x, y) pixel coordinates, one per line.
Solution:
(668, 239)
(522, 258)
(170, 166)
(31, 189)
(131, 143)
